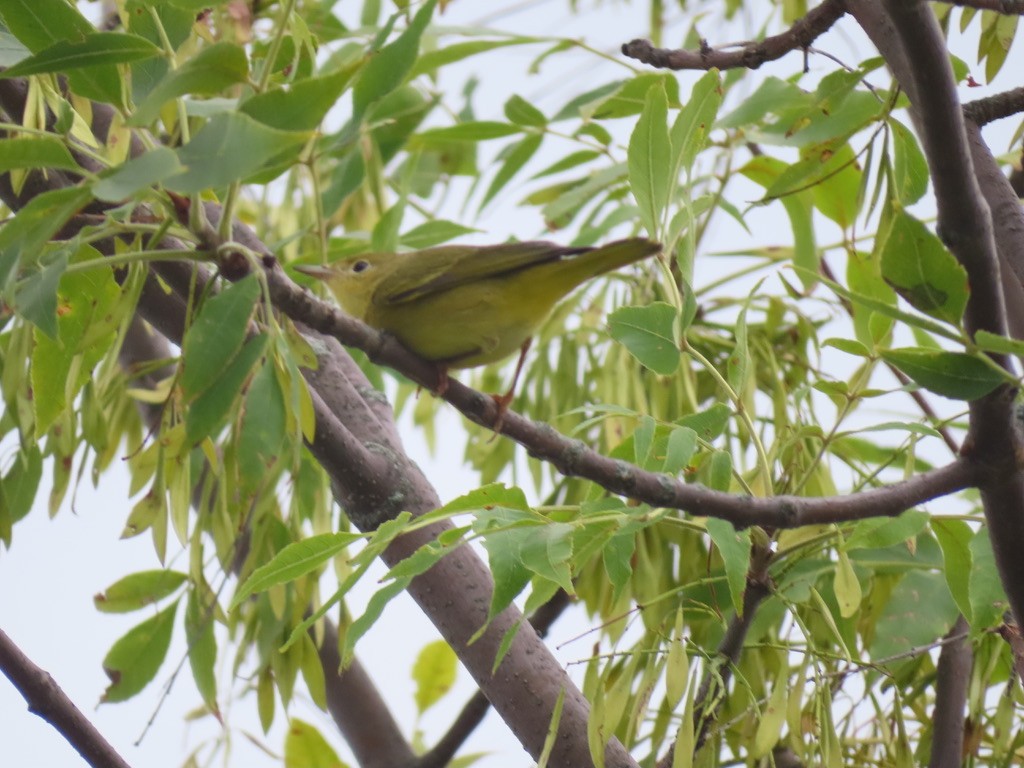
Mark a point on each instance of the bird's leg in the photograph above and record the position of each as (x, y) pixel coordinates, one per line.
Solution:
(504, 401)
(442, 380)
(439, 389)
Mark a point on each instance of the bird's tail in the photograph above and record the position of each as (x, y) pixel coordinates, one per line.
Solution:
(612, 256)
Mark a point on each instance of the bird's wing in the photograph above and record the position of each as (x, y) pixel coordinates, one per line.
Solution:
(439, 269)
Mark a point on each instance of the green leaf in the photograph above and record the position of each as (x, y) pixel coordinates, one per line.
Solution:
(299, 107)
(547, 551)
(709, 424)
(919, 612)
(304, 747)
(720, 471)
(208, 73)
(521, 112)
(954, 536)
(649, 333)
(877, 533)
(910, 169)
(846, 586)
(135, 659)
(849, 346)
(138, 590)
(988, 600)
(430, 61)
(631, 97)
(294, 561)
(734, 546)
(737, 365)
(433, 232)
(87, 321)
(837, 182)
(313, 672)
(479, 130)
(19, 486)
(39, 24)
(773, 716)
(829, 172)
(36, 297)
(25, 234)
(617, 558)
(211, 406)
(433, 673)
(515, 158)
(567, 162)
(95, 49)
(954, 375)
(388, 67)
(136, 174)
(773, 95)
(766, 171)
(510, 573)
(394, 120)
(918, 266)
(993, 342)
(650, 160)
(643, 440)
(262, 435)
(229, 148)
(374, 608)
(11, 49)
(216, 335)
(487, 497)
(35, 152)
(696, 119)
(202, 648)
(679, 449)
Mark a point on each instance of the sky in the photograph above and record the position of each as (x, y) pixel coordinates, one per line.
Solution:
(48, 578)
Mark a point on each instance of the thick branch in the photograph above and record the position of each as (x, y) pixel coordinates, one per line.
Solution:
(359, 711)
(1005, 7)
(749, 55)
(912, 44)
(1008, 224)
(963, 217)
(46, 699)
(953, 674)
(474, 711)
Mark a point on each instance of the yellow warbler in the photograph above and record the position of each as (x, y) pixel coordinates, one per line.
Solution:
(461, 305)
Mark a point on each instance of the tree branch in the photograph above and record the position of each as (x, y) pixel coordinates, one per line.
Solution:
(46, 699)
(912, 43)
(750, 55)
(574, 458)
(359, 711)
(1010, 632)
(1005, 7)
(995, 107)
(953, 674)
(474, 711)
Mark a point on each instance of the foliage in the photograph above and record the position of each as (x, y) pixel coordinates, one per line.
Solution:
(762, 368)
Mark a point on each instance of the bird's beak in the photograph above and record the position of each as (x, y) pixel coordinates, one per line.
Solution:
(318, 271)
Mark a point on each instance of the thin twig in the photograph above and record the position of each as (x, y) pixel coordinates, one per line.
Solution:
(46, 699)
(750, 55)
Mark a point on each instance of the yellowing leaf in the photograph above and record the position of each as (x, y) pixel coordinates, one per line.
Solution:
(434, 674)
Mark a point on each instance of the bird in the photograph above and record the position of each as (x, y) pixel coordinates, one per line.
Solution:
(461, 306)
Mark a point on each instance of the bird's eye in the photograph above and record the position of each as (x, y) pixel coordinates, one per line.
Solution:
(360, 265)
